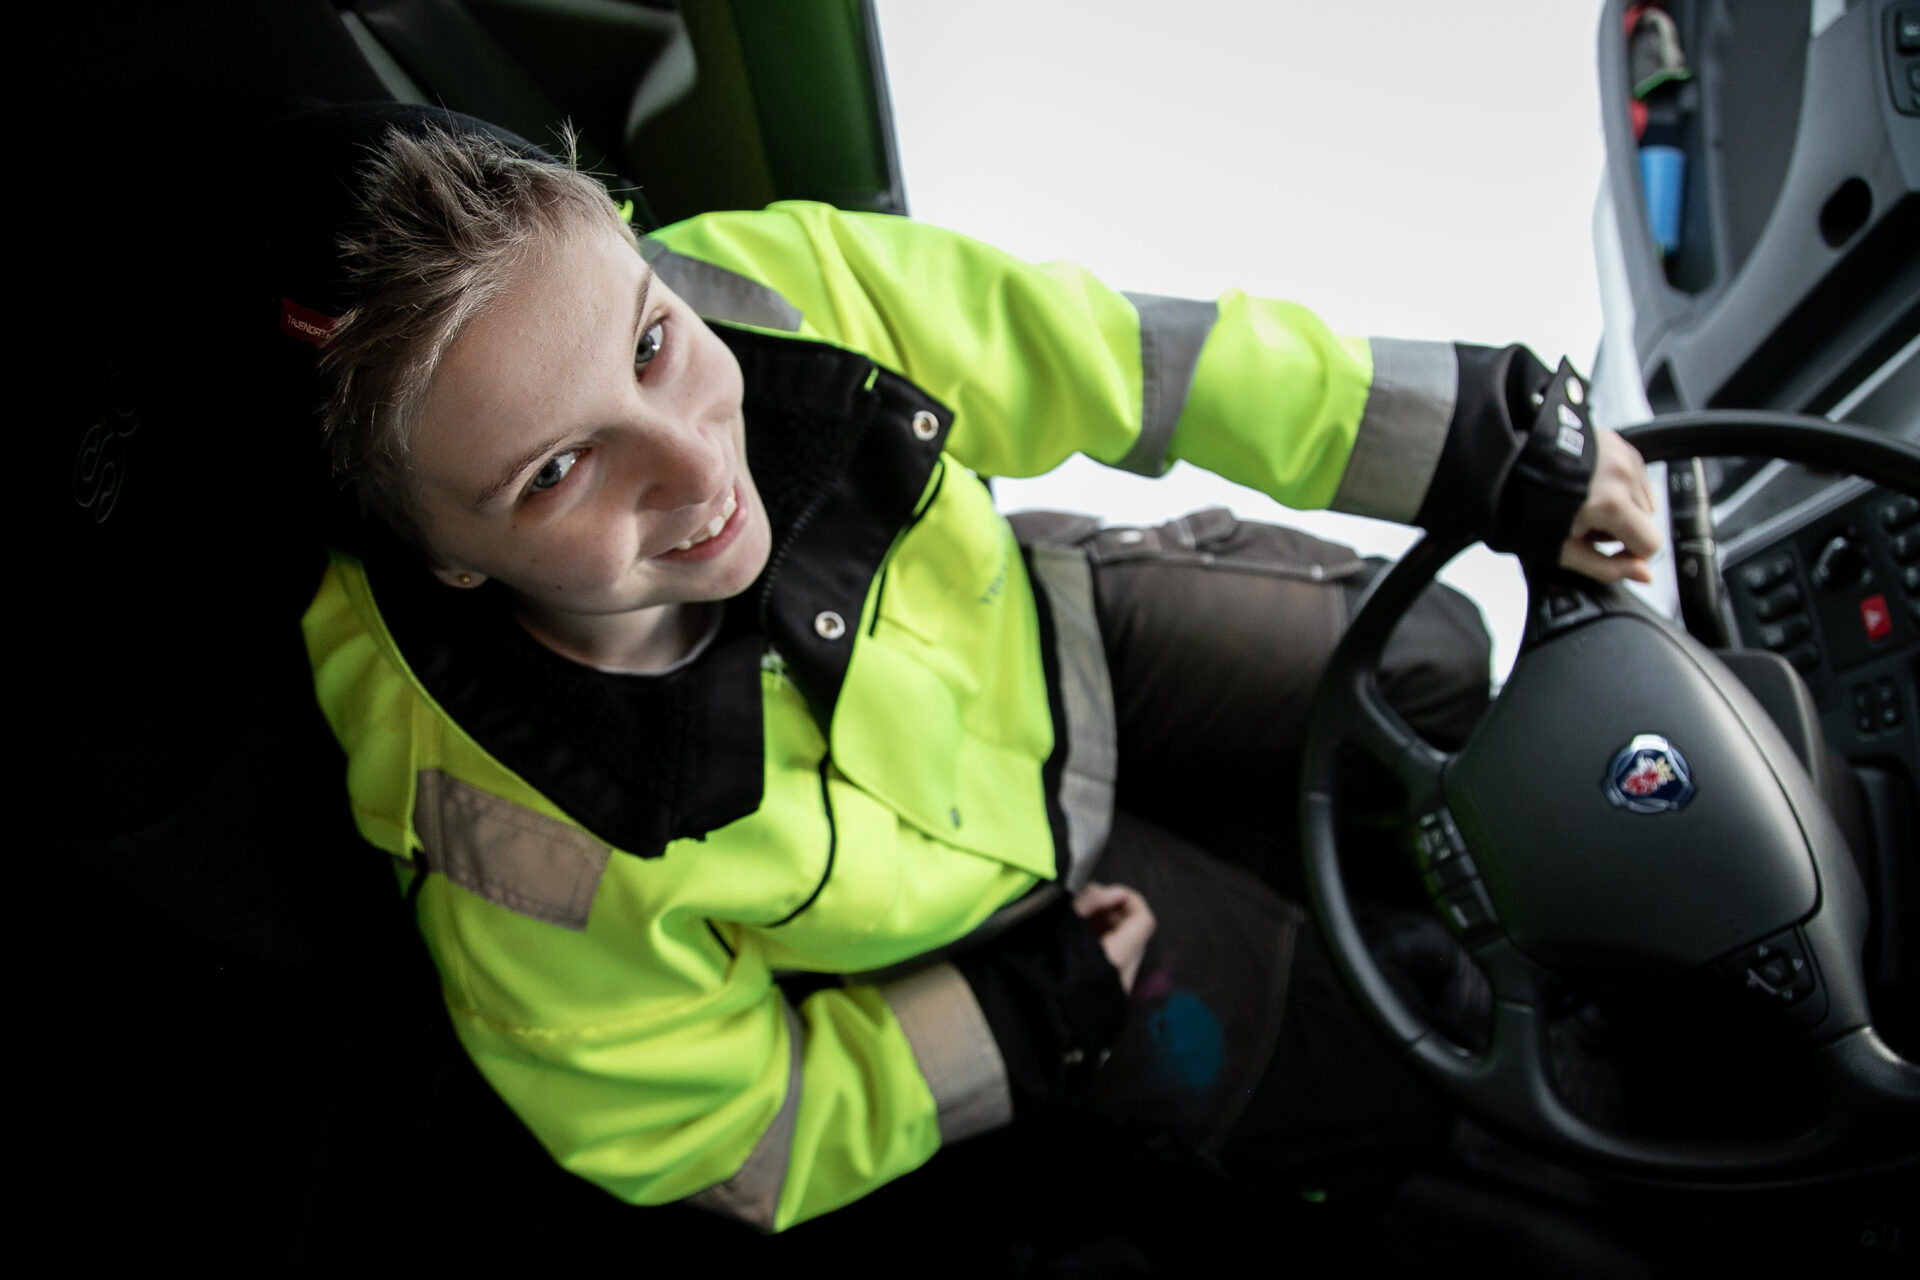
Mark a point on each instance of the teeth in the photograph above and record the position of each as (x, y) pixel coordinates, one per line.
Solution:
(712, 526)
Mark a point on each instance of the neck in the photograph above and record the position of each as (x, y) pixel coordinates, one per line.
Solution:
(642, 640)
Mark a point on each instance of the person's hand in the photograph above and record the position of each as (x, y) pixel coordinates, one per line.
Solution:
(1123, 921)
(1619, 508)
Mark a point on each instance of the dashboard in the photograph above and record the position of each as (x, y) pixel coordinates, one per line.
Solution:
(1759, 245)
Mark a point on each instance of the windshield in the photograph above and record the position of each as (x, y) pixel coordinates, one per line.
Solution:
(1404, 173)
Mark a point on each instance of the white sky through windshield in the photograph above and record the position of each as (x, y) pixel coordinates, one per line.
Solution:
(1413, 169)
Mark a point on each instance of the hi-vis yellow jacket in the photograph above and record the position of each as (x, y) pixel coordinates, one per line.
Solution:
(905, 730)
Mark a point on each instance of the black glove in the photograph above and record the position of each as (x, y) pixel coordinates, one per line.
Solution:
(1052, 1000)
(1547, 483)
(1519, 454)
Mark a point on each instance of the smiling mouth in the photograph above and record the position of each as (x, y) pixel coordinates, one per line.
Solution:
(712, 527)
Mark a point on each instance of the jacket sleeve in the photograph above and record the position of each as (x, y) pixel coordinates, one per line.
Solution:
(702, 1079)
(1043, 361)
(719, 1089)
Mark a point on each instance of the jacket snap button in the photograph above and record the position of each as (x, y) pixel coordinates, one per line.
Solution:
(925, 425)
(829, 625)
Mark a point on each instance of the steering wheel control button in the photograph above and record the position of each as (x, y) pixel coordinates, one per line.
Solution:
(1649, 775)
(1562, 609)
(1899, 513)
(1438, 842)
(1450, 874)
(1467, 910)
(1775, 972)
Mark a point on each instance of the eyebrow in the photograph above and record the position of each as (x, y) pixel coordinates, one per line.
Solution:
(513, 470)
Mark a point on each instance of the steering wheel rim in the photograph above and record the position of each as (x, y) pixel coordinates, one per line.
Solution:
(1873, 1113)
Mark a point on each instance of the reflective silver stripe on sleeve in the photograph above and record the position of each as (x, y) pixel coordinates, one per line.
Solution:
(719, 294)
(753, 1194)
(531, 864)
(955, 1049)
(1402, 432)
(1172, 331)
(1086, 693)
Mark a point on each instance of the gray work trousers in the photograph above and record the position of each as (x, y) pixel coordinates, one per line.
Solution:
(1240, 1041)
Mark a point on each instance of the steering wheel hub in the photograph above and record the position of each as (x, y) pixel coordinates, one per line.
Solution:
(1576, 877)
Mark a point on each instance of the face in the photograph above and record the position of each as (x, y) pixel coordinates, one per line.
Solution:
(583, 444)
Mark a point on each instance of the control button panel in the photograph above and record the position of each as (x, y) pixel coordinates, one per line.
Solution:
(1841, 593)
(1898, 518)
(1839, 599)
(1780, 974)
(1903, 57)
(1876, 705)
(1450, 877)
(1773, 970)
(1768, 591)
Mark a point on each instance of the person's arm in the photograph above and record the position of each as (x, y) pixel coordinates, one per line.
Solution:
(1043, 361)
(701, 1081)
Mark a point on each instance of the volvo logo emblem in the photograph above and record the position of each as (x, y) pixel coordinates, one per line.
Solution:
(1649, 775)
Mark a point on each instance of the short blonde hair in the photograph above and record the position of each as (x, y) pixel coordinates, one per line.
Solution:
(447, 220)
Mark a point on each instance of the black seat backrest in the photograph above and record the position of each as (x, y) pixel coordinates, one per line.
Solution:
(180, 538)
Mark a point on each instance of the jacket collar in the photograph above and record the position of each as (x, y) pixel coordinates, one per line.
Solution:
(643, 760)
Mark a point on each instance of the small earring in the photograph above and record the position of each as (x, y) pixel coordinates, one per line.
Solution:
(466, 579)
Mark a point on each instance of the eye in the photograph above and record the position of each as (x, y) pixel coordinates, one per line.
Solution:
(650, 343)
(554, 470)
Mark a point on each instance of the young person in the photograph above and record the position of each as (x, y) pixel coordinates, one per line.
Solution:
(753, 780)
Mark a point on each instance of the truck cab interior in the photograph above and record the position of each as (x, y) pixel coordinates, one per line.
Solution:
(239, 1056)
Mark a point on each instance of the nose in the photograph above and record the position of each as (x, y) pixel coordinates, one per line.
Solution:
(680, 464)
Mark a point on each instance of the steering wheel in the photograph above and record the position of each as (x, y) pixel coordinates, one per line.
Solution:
(1625, 807)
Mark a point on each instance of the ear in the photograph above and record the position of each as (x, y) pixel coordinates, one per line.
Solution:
(459, 577)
